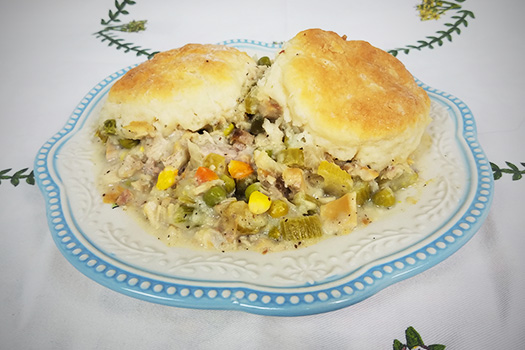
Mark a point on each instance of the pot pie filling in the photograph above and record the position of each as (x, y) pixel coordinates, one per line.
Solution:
(255, 183)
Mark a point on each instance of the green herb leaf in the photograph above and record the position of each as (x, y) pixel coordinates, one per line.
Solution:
(512, 166)
(413, 338)
(113, 40)
(3, 172)
(496, 171)
(513, 169)
(17, 176)
(398, 345)
(113, 16)
(436, 347)
(30, 180)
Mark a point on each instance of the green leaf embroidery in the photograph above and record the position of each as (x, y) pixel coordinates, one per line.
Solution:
(513, 169)
(398, 345)
(17, 176)
(432, 9)
(113, 16)
(107, 34)
(413, 338)
(436, 347)
(111, 39)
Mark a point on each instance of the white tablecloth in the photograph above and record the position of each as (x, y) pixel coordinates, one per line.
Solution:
(50, 59)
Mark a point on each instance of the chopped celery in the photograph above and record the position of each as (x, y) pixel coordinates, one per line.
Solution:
(274, 233)
(336, 181)
(301, 227)
(385, 197)
(109, 127)
(405, 179)
(291, 157)
(362, 191)
(182, 213)
(103, 137)
(215, 162)
(128, 143)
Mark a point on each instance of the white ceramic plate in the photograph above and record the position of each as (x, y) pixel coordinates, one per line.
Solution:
(106, 244)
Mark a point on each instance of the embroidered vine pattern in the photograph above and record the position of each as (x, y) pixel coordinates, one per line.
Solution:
(17, 176)
(513, 169)
(433, 10)
(414, 341)
(112, 25)
(427, 10)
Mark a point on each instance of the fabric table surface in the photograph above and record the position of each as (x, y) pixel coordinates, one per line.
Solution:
(51, 57)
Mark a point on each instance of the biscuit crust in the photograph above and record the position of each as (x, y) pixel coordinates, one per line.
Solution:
(357, 100)
(189, 87)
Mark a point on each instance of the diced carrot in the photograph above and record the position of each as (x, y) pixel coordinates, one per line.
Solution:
(238, 169)
(204, 174)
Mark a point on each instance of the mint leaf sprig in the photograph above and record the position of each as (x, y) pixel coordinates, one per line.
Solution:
(513, 169)
(17, 176)
(414, 341)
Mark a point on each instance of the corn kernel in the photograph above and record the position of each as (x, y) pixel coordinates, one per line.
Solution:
(239, 170)
(229, 129)
(167, 178)
(259, 203)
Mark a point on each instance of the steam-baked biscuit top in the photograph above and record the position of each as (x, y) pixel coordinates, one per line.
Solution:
(189, 87)
(354, 98)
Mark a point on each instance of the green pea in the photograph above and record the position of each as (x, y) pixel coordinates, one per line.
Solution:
(128, 143)
(214, 196)
(252, 188)
(264, 61)
(229, 183)
(257, 125)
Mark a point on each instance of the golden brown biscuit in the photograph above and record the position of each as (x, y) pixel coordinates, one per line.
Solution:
(189, 88)
(357, 101)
